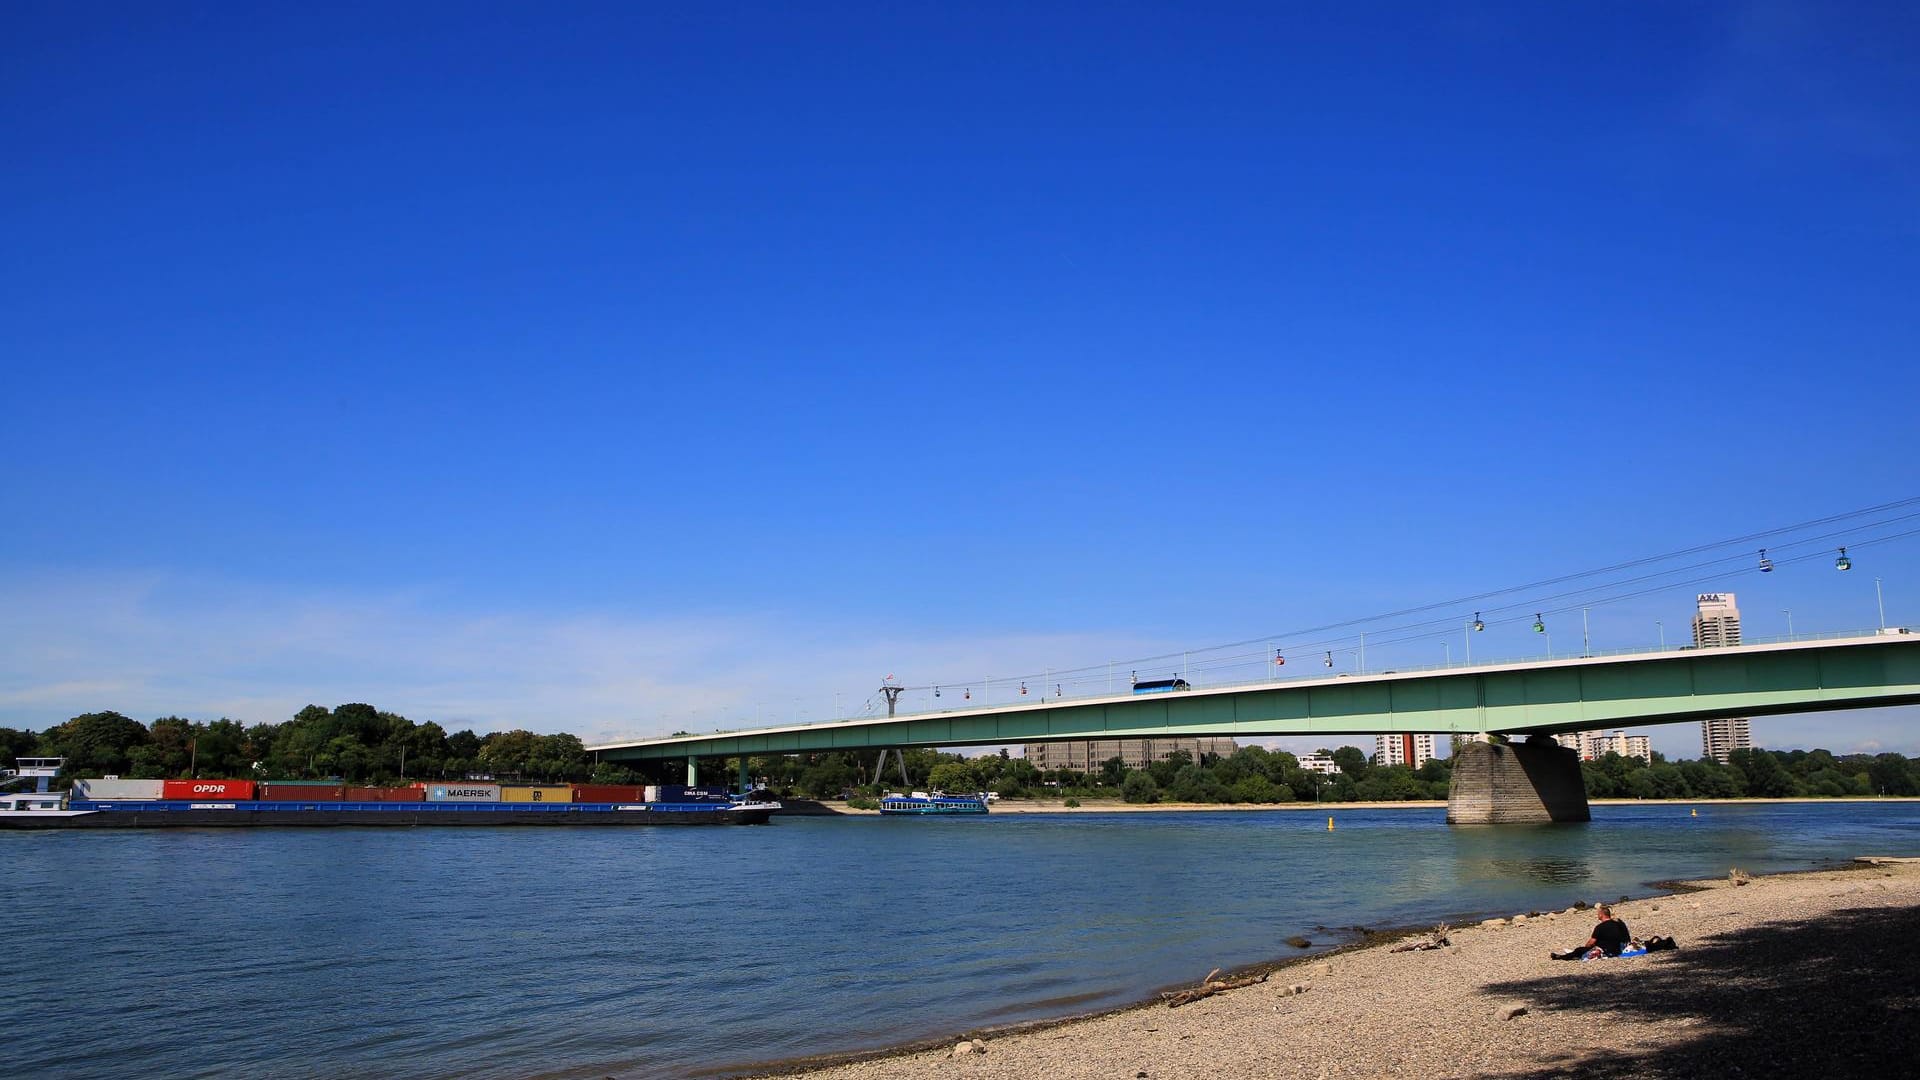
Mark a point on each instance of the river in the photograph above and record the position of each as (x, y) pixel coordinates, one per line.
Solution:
(647, 953)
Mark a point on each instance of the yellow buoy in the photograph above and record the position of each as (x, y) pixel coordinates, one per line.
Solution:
(1695, 812)
(1329, 824)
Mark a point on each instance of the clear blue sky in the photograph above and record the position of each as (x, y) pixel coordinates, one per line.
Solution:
(624, 367)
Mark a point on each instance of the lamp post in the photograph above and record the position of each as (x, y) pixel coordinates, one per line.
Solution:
(1447, 645)
(1586, 640)
(1662, 627)
(1882, 600)
(1789, 614)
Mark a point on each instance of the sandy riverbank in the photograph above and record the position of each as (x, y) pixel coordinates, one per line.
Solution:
(1791, 975)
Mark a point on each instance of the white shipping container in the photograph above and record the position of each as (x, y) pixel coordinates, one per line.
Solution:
(653, 792)
(101, 790)
(463, 793)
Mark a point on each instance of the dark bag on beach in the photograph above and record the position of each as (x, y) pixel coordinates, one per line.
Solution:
(1661, 944)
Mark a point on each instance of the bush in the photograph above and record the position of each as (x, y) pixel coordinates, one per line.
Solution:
(1071, 802)
(1140, 788)
(861, 802)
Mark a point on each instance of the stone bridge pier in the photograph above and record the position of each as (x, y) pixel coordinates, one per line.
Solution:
(1534, 782)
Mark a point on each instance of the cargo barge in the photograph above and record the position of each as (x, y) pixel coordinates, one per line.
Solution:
(216, 804)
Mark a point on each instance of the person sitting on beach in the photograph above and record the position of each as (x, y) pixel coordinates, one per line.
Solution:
(1609, 937)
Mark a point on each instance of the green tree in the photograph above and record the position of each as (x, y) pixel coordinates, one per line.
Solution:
(1256, 788)
(1891, 774)
(94, 744)
(1018, 777)
(16, 744)
(1352, 761)
(956, 776)
(1766, 776)
(1163, 772)
(508, 753)
(1140, 788)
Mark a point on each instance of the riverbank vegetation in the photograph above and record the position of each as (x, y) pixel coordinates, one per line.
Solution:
(359, 743)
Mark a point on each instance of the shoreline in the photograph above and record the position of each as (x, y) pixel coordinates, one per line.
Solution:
(823, 808)
(1682, 908)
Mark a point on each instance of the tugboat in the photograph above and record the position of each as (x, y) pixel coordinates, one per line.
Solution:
(935, 804)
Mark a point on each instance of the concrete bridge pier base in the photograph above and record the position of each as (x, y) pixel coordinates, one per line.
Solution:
(1534, 782)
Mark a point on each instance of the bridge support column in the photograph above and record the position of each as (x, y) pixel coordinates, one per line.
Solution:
(693, 771)
(1534, 782)
(746, 782)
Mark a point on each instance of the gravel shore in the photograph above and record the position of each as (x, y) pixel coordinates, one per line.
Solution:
(1791, 975)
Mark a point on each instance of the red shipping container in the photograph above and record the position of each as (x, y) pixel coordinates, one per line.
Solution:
(300, 792)
(386, 794)
(207, 789)
(608, 793)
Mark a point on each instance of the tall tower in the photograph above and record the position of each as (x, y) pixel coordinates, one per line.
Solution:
(1716, 623)
(1403, 748)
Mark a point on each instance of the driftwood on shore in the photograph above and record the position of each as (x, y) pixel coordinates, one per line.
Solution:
(1209, 987)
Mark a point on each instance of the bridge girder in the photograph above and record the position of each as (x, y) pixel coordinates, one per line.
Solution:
(1545, 696)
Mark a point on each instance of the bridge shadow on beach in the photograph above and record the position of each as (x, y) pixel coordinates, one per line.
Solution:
(1834, 997)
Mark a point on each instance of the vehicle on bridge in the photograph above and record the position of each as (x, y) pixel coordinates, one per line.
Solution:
(1159, 686)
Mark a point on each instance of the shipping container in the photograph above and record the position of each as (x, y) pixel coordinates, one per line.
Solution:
(681, 793)
(559, 793)
(283, 791)
(386, 794)
(207, 789)
(118, 789)
(652, 792)
(609, 793)
(463, 793)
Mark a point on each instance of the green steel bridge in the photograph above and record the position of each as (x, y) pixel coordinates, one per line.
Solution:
(1554, 696)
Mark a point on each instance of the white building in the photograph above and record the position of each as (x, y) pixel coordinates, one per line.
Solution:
(1402, 749)
(1318, 762)
(1716, 623)
(1594, 745)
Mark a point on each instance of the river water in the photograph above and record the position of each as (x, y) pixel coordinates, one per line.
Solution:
(647, 952)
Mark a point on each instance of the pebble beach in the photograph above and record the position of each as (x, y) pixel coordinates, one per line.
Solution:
(1786, 975)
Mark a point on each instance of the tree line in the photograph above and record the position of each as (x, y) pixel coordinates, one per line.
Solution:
(360, 744)
(1256, 775)
(354, 743)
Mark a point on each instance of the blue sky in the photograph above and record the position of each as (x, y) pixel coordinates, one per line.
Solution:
(623, 368)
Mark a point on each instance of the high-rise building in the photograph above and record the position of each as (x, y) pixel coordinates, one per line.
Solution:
(1403, 748)
(1594, 745)
(1716, 623)
(1088, 755)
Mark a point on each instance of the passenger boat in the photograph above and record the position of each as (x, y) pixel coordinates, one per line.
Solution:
(936, 804)
(244, 804)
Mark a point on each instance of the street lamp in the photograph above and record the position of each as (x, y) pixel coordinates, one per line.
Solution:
(1882, 600)
(1789, 614)
(1447, 645)
(1663, 634)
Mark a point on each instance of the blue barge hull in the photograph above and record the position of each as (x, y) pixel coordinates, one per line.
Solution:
(82, 814)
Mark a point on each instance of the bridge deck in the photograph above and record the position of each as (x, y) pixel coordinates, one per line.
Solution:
(1583, 693)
